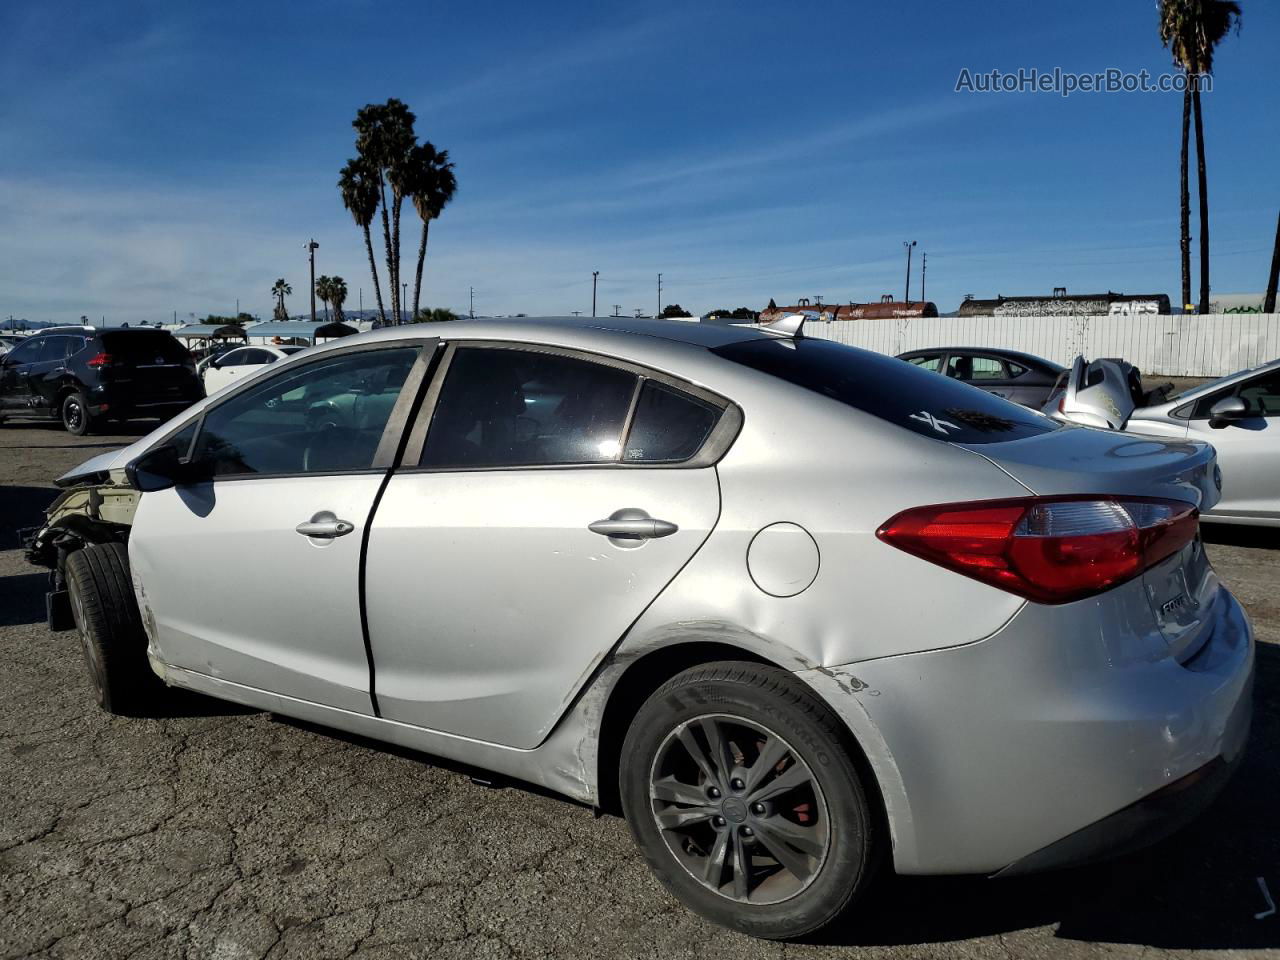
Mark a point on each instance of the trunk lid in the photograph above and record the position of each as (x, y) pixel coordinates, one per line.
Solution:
(1082, 460)
(1102, 393)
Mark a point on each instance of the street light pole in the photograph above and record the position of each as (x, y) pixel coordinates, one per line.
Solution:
(311, 250)
(659, 313)
(473, 303)
(404, 295)
(924, 266)
(906, 294)
(595, 275)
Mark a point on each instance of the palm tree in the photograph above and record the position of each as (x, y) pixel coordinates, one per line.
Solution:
(281, 289)
(433, 186)
(384, 137)
(1192, 29)
(323, 292)
(358, 184)
(337, 296)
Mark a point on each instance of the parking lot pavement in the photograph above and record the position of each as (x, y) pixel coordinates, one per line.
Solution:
(221, 833)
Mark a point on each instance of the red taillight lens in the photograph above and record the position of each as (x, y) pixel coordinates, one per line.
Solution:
(1047, 549)
(100, 360)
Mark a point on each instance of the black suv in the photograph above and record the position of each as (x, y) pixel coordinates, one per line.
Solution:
(83, 375)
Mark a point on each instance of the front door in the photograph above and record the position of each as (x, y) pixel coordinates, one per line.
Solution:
(1248, 448)
(23, 371)
(253, 577)
(535, 526)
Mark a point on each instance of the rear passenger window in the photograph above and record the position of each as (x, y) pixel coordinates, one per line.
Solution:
(669, 426)
(509, 408)
(933, 363)
(986, 368)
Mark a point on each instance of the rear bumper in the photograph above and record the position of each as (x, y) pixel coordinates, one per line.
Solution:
(1064, 737)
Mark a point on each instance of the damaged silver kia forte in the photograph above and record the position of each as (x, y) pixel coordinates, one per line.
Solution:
(797, 610)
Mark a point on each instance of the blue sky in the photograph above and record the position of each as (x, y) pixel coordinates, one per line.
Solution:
(161, 157)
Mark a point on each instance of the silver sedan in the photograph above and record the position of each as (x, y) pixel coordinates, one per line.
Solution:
(797, 610)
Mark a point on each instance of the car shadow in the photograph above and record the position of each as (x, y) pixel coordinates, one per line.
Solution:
(22, 507)
(130, 428)
(1235, 535)
(24, 599)
(1197, 890)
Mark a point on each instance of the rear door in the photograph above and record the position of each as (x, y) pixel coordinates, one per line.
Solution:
(553, 497)
(18, 391)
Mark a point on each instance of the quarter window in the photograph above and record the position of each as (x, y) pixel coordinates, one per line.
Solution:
(669, 426)
(504, 408)
(324, 417)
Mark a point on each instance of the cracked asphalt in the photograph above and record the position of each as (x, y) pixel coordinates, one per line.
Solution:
(221, 833)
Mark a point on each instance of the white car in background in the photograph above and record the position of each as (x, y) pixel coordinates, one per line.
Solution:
(1238, 414)
(226, 369)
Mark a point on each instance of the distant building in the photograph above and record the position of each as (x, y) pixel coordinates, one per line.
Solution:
(1060, 304)
(886, 308)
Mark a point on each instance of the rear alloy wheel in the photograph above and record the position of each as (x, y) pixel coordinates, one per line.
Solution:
(106, 616)
(75, 414)
(745, 803)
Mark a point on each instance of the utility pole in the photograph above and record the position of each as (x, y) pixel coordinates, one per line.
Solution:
(1269, 302)
(237, 308)
(361, 290)
(659, 313)
(616, 308)
(311, 250)
(906, 291)
(577, 313)
(817, 299)
(473, 303)
(404, 295)
(595, 275)
(924, 265)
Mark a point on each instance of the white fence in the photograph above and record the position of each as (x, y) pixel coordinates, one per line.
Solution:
(1205, 345)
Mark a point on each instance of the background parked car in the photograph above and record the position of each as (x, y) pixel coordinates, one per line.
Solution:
(227, 368)
(1021, 377)
(81, 374)
(1238, 414)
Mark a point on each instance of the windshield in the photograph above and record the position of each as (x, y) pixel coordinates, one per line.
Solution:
(891, 389)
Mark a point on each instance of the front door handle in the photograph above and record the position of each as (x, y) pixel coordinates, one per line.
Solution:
(325, 526)
(632, 525)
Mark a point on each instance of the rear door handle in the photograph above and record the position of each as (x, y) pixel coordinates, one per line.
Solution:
(627, 525)
(325, 526)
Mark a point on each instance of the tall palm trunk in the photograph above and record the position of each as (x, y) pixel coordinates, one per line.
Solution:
(1202, 186)
(395, 245)
(422, 255)
(373, 268)
(386, 237)
(1269, 304)
(1186, 199)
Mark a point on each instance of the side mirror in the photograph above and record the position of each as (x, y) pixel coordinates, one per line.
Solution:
(1226, 410)
(162, 468)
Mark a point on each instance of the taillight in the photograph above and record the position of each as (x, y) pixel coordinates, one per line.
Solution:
(100, 360)
(1047, 549)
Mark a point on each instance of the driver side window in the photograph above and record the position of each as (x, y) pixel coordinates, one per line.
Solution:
(325, 417)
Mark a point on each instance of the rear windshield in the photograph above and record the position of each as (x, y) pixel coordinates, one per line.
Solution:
(891, 389)
(144, 347)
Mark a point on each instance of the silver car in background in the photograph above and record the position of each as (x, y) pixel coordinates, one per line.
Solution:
(797, 610)
(1239, 415)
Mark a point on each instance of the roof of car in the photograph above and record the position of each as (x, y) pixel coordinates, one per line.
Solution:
(678, 331)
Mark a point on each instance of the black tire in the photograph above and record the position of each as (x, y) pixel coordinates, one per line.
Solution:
(75, 414)
(111, 633)
(747, 702)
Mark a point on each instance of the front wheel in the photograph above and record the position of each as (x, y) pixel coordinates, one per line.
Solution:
(744, 799)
